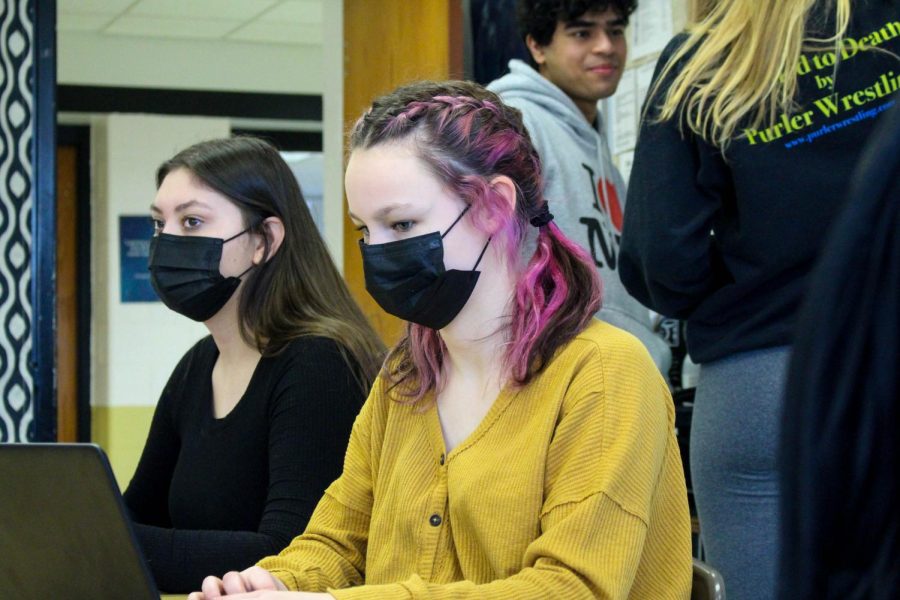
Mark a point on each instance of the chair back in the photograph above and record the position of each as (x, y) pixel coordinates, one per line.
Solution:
(707, 583)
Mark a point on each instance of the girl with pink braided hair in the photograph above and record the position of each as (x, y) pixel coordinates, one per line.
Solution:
(513, 447)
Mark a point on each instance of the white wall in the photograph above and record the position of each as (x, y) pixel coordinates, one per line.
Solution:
(333, 129)
(130, 61)
(135, 345)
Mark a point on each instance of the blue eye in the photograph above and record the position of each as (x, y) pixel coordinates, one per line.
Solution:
(402, 226)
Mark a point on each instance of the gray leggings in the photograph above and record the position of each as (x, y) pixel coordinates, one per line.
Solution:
(734, 439)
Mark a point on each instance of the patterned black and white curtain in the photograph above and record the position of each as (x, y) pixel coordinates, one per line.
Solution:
(16, 202)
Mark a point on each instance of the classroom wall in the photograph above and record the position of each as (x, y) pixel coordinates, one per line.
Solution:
(333, 129)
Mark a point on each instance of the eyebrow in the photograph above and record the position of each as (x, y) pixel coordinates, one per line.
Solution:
(381, 213)
(183, 206)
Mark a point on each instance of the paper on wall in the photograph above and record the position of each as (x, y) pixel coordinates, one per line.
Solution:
(625, 113)
(624, 162)
(650, 27)
(644, 76)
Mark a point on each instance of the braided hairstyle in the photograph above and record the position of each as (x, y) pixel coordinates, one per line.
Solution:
(467, 136)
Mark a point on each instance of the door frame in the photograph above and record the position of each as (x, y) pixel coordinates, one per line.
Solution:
(43, 222)
(79, 136)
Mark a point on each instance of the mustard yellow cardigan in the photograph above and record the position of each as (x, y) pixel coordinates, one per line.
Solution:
(571, 487)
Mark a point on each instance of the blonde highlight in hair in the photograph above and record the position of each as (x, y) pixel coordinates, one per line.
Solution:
(740, 64)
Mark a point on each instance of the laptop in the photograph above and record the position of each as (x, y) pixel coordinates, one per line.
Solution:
(64, 531)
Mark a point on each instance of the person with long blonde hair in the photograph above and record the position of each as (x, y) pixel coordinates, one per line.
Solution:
(754, 121)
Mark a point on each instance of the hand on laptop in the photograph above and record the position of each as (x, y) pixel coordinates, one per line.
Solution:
(254, 582)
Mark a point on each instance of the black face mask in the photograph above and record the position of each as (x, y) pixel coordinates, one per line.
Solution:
(184, 271)
(408, 279)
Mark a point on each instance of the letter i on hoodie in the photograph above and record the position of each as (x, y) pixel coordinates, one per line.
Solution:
(585, 191)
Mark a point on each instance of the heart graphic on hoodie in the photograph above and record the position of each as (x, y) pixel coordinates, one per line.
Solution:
(609, 200)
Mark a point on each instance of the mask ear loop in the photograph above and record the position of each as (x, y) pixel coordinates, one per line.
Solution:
(453, 224)
(250, 268)
(254, 226)
(483, 250)
(239, 234)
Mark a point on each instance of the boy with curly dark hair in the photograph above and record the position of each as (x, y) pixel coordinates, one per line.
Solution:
(578, 53)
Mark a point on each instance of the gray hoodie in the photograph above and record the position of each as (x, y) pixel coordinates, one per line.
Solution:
(584, 189)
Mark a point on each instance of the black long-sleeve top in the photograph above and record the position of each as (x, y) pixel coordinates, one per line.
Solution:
(212, 495)
(840, 456)
(727, 242)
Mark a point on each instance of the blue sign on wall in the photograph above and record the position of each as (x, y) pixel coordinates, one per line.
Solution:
(134, 253)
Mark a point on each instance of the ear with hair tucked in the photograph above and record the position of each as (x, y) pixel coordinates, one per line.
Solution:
(505, 187)
(273, 228)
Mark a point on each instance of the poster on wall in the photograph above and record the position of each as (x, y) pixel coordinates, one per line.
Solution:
(650, 28)
(644, 79)
(134, 253)
(625, 113)
(624, 162)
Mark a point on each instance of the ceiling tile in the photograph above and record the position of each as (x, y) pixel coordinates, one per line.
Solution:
(103, 7)
(177, 28)
(221, 9)
(76, 22)
(273, 33)
(294, 11)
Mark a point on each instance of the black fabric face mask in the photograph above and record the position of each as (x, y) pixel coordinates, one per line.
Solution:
(184, 271)
(408, 279)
